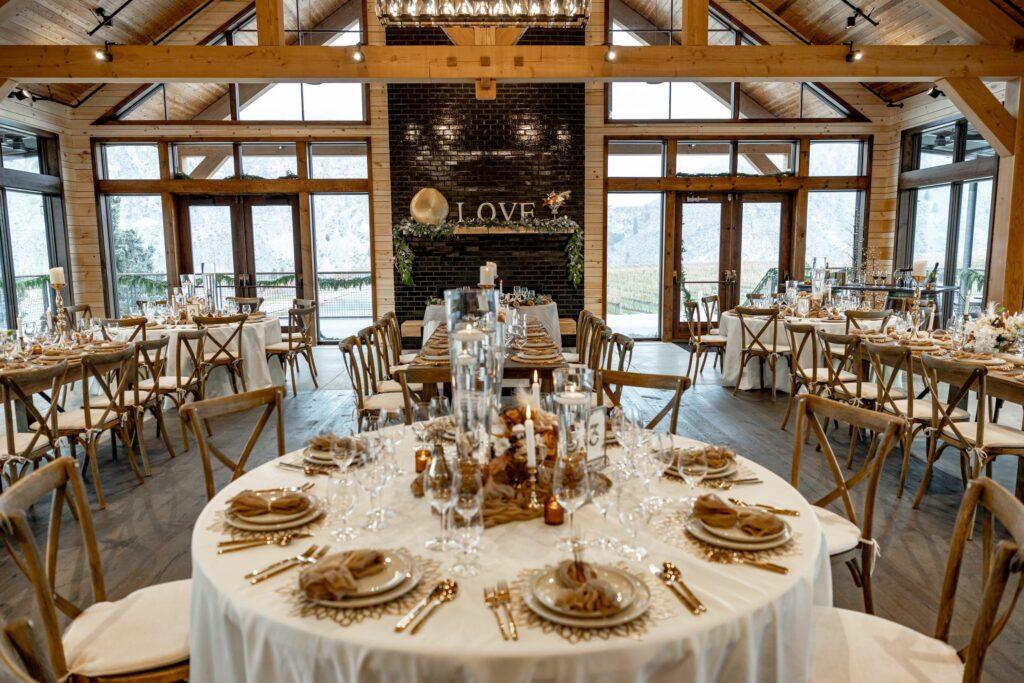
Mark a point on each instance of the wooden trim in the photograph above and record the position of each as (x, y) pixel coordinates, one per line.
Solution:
(231, 187)
(949, 173)
(980, 106)
(979, 21)
(1007, 251)
(29, 182)
(428, 63)
(737, 184)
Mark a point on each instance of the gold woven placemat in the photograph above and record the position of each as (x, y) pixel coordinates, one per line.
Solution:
(658, 610)
(301, 607)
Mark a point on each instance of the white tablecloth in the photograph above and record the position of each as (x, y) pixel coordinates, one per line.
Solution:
(547, 314)
(256, 336)
(730, 327)
(757, 627)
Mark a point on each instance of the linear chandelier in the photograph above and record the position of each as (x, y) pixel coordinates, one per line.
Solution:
(550, 13)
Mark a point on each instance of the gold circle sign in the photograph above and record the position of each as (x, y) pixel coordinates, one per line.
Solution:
(429, 206)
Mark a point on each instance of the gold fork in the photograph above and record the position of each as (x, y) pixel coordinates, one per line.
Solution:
(282, 541)
(505, 600)
(732, 557)
(768, 508)
(492, 601)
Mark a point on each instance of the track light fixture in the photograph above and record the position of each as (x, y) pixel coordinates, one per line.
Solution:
(851, 21)
(610, 55)
(358, 55)
(935, 93)
(19, 94)
(103, 17)
(893, 105)
(104, 54)
(851, 54)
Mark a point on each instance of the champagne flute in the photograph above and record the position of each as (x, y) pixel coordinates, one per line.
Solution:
(373, 478)
(692, 466)
(632, 515)
(467, 519)
(571, 487)
(342, 497)
(438, 486)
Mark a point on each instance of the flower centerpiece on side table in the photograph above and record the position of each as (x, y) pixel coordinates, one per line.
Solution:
(996, 330)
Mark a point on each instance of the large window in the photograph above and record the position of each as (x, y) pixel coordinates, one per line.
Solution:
(307, 22)
(661, 24)
(945, 208)
(343, 250)
(834, 229)
(137, 249)
(32, 237)
(634, 263)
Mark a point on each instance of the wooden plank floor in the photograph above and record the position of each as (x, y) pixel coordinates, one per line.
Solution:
(144, 533)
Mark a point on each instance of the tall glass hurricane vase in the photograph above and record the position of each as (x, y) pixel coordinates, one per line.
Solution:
(571, 483)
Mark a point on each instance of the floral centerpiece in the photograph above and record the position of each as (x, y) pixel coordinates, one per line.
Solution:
(519, 300)
(996, 330)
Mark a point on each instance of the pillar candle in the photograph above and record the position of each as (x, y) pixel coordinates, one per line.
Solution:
(493, 268)
(486, 276)
(535, 390)
(57, 276)
(531, 442)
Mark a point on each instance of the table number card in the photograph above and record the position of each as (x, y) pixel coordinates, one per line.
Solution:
(595, 436)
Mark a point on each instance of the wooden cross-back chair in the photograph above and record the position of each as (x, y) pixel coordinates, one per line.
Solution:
(184, 382)
(582, 338)
(600, 336)
(814, 379)
(225, 354)
(861, 648)
(979, 441)
(76, 313)
(394, 330)
(891, 364)
(759, 340)
(150, 361)
(372, 358)
(137, 327)
(619, 354)
(112, 374)
(848, 538)
(368, 404)
(298, 343)
(303, 304)
(413, 379)
(701, 343)
(712, 307)
(23, 449)
(246, 304)
(854, 319)
(199, 413)
(143, 637)
(611, 383)
(22, 657)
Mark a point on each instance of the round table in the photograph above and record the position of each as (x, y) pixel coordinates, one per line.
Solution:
(729, 326)
(757, 627)
(546, 314)
(256, 336)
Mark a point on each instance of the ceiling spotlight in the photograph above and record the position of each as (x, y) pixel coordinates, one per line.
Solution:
(103, 54)
(893, 105)
(104, 19)
(610, 55)
(851, 21)
(851, 54)
(358, 55)
(935, 93)
(19, 94)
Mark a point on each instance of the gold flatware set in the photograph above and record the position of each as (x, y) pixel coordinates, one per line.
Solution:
(767, 508)
(673, 578)
(246, 543)
(722, 556)
(309, 556)
(445, 591)
(499, 599)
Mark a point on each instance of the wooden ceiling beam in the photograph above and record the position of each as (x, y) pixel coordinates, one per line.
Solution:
(270, 22)
(7, 86)
(984, 110)
(553, 63)
(695, 22)
(978, 21)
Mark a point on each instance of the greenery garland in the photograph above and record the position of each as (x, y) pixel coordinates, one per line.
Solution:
(411, 229)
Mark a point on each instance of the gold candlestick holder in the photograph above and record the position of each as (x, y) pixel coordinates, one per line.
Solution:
(534, 503)
(61, 324)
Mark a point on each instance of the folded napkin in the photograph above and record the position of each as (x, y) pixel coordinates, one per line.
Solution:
(593, 596)
(335, 576)
(248, 503)
(713, 511)
(759, 523)
(328, 441)
(718, 456)
(572, 574)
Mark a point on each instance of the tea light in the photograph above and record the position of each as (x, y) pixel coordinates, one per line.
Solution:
(554, 515)
(422, 459)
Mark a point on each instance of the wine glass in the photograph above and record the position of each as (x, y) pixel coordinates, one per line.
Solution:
(439, 406)
(467, 518)
(342, 497)
(692, 466)
(571, 487)
(373, 478)
(661, 455)
(632, 514)
(438, 486)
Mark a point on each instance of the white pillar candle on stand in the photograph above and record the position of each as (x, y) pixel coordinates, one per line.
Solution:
(57, 276)
(486, 276)
(494, 268)
(920, 268)
(535, 390)
(531, 442)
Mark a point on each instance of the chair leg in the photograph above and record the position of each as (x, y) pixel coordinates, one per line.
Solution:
(291, 370)
(184, 432)
(789, 403)
(94, 464)
(308, 355)
(908, 442)
(704, 352)
(241, 374)
(926, 479)
(689, 363)
(159, 415)
(122, 434)
(739, 375)
(139, 419)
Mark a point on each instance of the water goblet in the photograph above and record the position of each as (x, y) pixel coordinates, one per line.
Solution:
(632, 515)
(439, 483)
(373, 478)
(467, 519)
(342, 497)
(692, 466)
(439, 406)
(570, 486)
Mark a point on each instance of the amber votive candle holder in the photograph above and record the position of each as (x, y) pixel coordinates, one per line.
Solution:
(554, 515)
(422, 459)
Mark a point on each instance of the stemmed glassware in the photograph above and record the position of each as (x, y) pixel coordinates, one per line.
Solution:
(632, 514)
(570, 486)
(439, 482)
(439, 406)
(692, 466)
(342, 496)
(467, 518)
(373, 478)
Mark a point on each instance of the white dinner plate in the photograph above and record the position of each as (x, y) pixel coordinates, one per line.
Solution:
(406, 583)
(720, 473)
(637, 609)
(734, 533)
(991, 362)
(313, 512)
(699, 532)
(546, 588)
(318, 457)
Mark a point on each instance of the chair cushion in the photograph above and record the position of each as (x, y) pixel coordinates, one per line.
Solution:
(571, 356)
(408, 357)
(282, 347)
(822, 375)
(869, 391)
(23, 440)
(841, 535)
(391, 385)
(714, 339)
(779, 348)
(165, 383)
(388, 401)
(996, 435)
(145, 630)
(852, 647)
(74, 420)
(923, 409)
(714, 330)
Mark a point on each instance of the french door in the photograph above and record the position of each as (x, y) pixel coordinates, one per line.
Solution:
(252, 243)
(729, 244)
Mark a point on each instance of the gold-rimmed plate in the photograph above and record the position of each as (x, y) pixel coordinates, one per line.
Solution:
(546, 587)
(699, 532)
(738, 535)
(313, 512)
(405, 583)
(634, 611)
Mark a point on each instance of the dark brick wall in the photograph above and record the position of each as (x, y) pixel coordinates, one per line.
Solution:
(517, 148)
